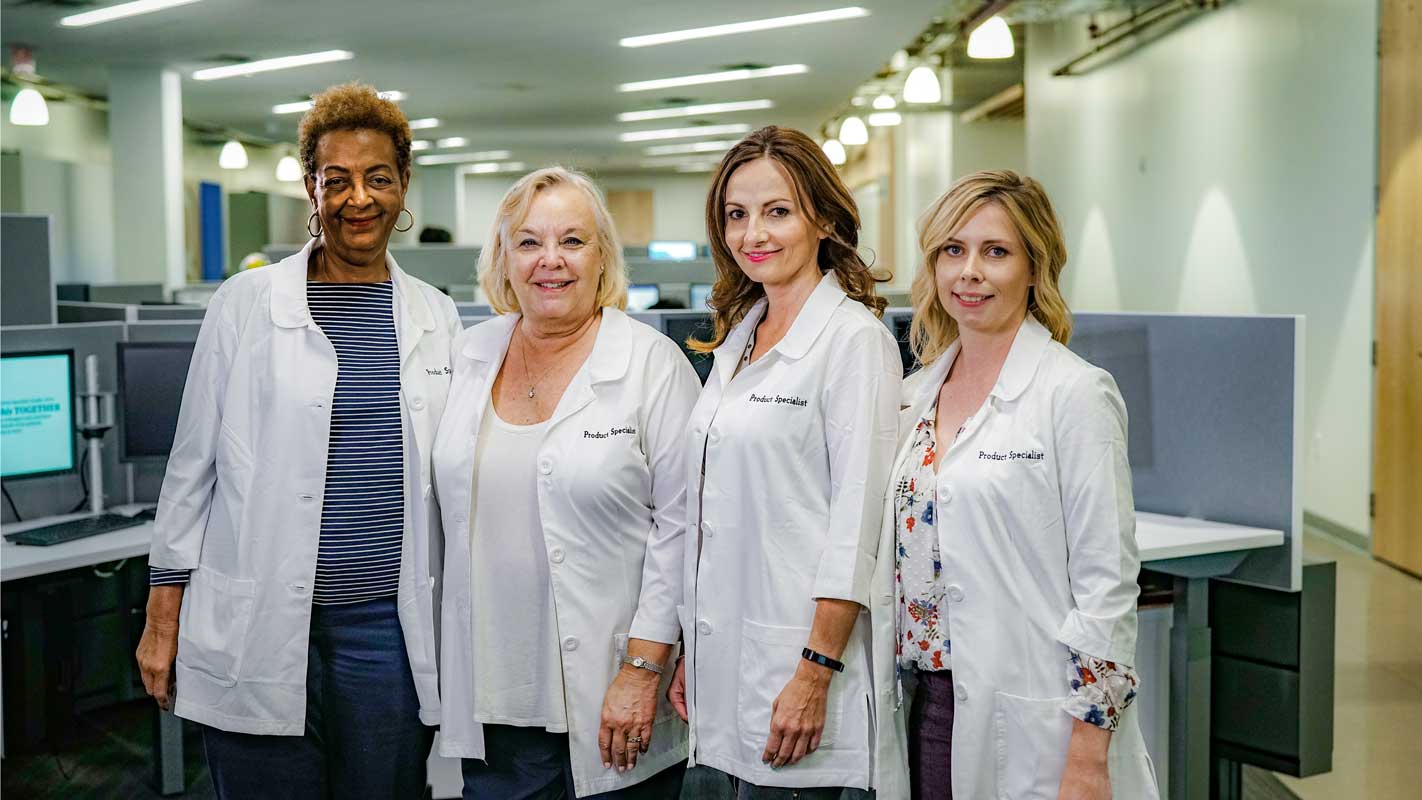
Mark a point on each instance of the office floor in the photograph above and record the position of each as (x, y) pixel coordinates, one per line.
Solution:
(1378, 713)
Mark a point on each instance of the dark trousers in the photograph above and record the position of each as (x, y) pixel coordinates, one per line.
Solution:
(533, 764)
(930, 737)
(745, 790)
(363, 734)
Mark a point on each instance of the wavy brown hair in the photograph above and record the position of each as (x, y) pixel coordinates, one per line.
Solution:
(353, 107)
(827, 202)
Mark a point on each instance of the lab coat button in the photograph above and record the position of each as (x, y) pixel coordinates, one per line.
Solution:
(545, 466)
(418, 404)
(714, 436)
(704, 628)
(459, 518)
(960, 692)
(556, 555)
(944, 494)
(570, 643)
(707, 530)
(955, 594)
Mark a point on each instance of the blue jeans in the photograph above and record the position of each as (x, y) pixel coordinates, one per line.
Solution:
(363, 734)
(533, 764)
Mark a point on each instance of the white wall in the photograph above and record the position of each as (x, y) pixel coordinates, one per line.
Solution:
(1229, 168)
(678, 203)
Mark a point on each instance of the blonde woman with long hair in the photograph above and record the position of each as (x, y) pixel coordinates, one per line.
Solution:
(1010, 523)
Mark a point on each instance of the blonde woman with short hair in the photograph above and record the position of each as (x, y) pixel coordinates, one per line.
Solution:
(1011, 524)
(559, 469)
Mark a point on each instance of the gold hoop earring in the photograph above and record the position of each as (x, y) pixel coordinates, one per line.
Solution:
(407, 227)
(316, 234)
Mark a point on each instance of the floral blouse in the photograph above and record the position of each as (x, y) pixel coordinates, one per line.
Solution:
(1100, 689)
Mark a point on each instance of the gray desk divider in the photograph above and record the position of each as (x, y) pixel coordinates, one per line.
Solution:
(70, 312)
(25, 270)
(1215, 405)
(153, 313)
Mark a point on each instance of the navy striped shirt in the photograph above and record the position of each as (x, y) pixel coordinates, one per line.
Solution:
(363, 517)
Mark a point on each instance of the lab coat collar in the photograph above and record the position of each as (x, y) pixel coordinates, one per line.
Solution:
(610, 357)
(289, 307)
(806, 328)
(1017, 371)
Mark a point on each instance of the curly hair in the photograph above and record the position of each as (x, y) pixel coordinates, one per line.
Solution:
(353, 107)
(824, 197)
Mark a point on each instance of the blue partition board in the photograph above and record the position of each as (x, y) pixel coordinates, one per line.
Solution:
(1215, 406)
(214, 249)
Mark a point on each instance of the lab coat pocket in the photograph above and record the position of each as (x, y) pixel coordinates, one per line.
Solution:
(213, 633)
(770, 655)
(1030, 737)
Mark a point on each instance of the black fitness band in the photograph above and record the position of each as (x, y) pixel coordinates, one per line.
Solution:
(822, 659)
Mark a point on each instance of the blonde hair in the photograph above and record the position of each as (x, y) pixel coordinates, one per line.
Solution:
(1027, 205)
(825, 200)
(513, 210)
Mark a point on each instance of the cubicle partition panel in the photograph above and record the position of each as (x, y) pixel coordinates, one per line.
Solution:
(147, 474)
(69, 312)
(1215, 421)
(28, 298)
(175, 313)
(63, 493)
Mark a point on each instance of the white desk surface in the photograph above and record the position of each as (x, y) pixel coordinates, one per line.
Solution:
(1159, 537)
(25, 561)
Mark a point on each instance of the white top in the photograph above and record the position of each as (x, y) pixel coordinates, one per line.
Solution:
(796, 450)
(610, 489)
(242, 497)
(518, 674)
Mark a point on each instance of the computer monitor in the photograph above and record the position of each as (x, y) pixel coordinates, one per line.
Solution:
(37, 421)
(642, 296)
(682, 325)
(700, 296)
(151, 376)
(671, 251)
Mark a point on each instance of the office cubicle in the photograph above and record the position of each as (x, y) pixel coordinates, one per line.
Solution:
(28, 298)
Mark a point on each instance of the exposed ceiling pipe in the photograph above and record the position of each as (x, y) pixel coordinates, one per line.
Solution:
(1138, 24)
(986, 11)
(1008, 100)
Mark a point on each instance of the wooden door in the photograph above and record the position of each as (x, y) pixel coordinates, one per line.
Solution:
(632, 214)
(1397, 438)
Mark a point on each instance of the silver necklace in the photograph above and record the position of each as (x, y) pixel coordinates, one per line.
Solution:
(523, 352)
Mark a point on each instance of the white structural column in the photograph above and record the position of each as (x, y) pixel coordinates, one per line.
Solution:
(146, 133)
(441, 199)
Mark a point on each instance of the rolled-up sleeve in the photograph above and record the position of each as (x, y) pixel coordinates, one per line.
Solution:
(1100, 519)
(186, 496)
(861, 407)
(671, 390)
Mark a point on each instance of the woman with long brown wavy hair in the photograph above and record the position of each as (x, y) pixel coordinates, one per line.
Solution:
(788, 453)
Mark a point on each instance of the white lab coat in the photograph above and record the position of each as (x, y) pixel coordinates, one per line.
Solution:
(611, 498)
(1036, 525)
(241, 500)
(796, 451)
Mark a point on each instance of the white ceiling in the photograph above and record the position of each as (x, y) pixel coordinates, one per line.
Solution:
(536, 77)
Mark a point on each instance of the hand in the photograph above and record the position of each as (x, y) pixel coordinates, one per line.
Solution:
(159, 646)
(797, 717)
(676, 692)
(1086, 776)
(627, 714)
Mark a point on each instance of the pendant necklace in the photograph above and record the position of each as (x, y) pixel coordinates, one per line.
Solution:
(523, 351)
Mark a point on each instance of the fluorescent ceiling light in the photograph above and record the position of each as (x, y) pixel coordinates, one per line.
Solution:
(28, 108)
(272, 64)
(233, 155)
(718, 146)
(992, 39)
(420, 144)
(884, 102)
(853, 132)
(423, 122)
(884, 119)
(453, 141)
(922, 86)
(683, 133)
(714, 77)
(288, 169)
(462, 158)
(833, 15)
(835, 151)
(489, 168)
(303, 106)
(693, 111)
(119, 11)
(677, 161)
(696, 167)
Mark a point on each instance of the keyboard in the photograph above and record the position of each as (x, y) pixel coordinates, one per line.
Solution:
(81, 528)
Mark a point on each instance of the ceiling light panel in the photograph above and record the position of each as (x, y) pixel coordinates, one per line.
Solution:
(272, 64)
(683, 133)
(718, 146)
(423, 122)
(714, 77)
(303, 106)
(462, 158)
(749, 26)
(694, 111)
(120, 11)
(454, 141)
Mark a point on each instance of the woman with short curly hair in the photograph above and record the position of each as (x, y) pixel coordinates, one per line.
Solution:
(296, 539)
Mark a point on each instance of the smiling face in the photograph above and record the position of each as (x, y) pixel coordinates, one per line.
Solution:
(357, 192)
(982, 273)
(554, 261)
(772, 236)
